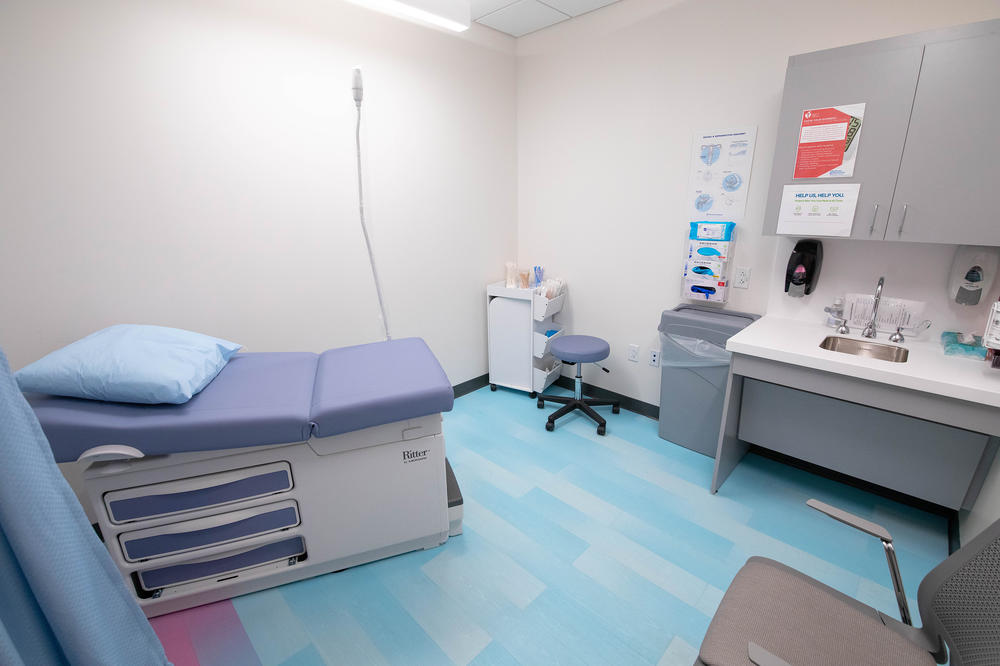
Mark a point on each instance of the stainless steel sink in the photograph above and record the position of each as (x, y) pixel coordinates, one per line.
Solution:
(865, 348)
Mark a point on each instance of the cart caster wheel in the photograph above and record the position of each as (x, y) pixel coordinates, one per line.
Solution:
(550, 426)
(541, 403)
(533, 395)
(615, 409)
(600, 430)
(493, 387)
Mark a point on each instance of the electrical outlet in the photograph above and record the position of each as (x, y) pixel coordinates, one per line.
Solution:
(741, 280)
(633, 353)
(654, 357)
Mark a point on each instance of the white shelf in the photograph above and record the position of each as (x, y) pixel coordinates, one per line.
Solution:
(541, 343)
(543, 378)
(498, 289)
(544, 308)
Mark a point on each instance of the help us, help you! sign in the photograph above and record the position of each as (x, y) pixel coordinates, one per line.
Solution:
(828, 141)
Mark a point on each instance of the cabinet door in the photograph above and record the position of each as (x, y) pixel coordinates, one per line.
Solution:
(885, 81)
(950, 171)
(510, 342)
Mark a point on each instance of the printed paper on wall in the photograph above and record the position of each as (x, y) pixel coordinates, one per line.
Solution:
(828, 141)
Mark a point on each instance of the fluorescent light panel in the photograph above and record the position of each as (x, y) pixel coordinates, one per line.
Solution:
(453, 15)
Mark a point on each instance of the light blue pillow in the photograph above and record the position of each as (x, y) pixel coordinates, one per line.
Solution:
(130, 363)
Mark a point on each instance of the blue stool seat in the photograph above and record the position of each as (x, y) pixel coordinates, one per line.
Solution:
(580, 349)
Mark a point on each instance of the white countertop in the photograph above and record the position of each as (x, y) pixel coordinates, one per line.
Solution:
(927, 368)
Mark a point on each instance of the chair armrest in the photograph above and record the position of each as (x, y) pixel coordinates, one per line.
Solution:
(876, 530)
(866, 526)
(762, 657)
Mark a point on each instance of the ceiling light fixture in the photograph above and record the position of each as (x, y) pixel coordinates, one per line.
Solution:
(453, 15)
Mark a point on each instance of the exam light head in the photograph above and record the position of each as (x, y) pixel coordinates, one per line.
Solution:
(356, 86)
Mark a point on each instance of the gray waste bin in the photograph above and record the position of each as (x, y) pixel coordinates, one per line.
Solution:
(695, 366)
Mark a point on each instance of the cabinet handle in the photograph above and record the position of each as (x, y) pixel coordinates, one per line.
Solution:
(902, 220)
(871, 229)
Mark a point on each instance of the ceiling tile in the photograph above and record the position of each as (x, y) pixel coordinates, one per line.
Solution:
(481, 8)
(523, 17)
(577, 7)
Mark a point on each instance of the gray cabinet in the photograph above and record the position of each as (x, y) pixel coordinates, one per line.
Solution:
(885, 81)
(923, 459)
(928, 153)
(949, 172)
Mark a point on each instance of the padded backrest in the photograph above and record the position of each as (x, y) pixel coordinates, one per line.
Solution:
(960, 601)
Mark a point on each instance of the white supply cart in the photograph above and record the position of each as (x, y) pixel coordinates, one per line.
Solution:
(518, 320)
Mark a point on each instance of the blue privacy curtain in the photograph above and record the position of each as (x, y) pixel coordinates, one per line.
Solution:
(61, 598)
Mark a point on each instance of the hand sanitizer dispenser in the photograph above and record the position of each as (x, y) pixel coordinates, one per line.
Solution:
(802, 272)
(972, 274)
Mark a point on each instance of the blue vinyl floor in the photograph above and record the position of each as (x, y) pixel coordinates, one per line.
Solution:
(580, 549)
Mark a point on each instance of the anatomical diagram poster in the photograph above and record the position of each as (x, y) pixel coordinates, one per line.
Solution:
(720, 174)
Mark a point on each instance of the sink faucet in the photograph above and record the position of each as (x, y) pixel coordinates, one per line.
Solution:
(870, 330)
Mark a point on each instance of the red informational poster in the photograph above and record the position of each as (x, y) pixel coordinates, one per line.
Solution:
(828, 142)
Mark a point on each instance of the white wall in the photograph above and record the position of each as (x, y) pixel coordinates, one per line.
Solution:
(191, 163)
(917, 271)
(607, 105)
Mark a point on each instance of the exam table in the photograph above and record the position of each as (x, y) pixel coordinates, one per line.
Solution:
(288, 465)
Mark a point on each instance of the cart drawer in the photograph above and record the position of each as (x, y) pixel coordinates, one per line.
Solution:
(200, 492)
(210, 531)
(177, 574)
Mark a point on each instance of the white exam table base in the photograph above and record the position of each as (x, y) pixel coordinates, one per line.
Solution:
(359, 498)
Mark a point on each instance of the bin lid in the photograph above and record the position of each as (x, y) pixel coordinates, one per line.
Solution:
(695, 321)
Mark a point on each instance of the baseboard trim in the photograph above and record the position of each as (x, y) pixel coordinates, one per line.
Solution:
(631, 404)
(471, 385)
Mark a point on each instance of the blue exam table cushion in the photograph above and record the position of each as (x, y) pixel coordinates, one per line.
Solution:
(260, 399)
(130, 363)
(257, 399)
(368, 385)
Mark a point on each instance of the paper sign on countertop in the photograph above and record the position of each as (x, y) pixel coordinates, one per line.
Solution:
(818, 210)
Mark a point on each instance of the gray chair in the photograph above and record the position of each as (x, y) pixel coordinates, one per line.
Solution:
(773, 615)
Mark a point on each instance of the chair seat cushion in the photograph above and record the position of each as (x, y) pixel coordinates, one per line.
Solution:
(580, 349)
(801, 621)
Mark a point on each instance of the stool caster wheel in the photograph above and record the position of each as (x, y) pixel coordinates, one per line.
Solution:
(493, 387)
(600, 430)
(532, 395)
(550, 426)
(615, 409)
(541, 403)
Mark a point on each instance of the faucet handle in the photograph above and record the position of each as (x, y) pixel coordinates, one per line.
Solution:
(897, 337)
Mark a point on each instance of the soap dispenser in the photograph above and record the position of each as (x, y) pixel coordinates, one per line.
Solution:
(972, 274)
(802, 272)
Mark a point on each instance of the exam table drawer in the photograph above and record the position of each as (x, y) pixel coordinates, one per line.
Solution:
(209, 531)
(200, 492)
(221, 565)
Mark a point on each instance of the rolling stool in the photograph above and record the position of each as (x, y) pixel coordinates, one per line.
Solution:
(577, 350)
